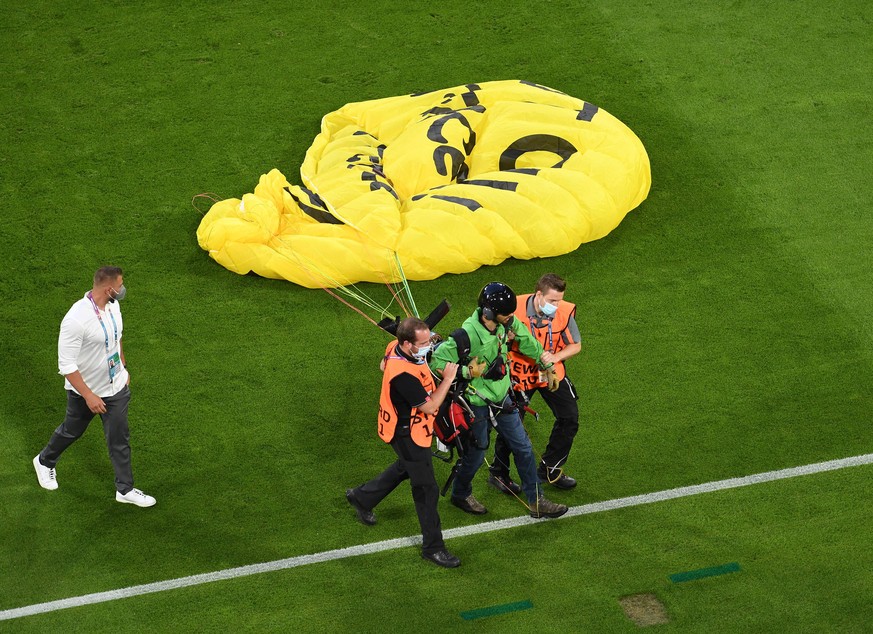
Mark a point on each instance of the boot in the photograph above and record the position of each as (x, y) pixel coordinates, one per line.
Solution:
(544, 507)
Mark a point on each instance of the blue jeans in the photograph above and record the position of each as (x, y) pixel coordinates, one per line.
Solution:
(509, 426)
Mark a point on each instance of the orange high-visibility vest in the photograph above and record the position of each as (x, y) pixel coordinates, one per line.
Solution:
(420, 424)
(524, 370)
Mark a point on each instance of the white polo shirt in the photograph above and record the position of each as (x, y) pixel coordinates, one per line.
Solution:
(87, 346)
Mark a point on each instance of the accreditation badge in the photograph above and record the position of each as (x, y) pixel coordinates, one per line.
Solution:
(114, 366)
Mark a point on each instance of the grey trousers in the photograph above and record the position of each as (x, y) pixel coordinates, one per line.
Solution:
(115, 430)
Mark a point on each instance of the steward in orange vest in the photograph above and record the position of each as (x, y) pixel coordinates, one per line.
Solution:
(420, 424)
(552, 321)
(407, 406)
(553, 336)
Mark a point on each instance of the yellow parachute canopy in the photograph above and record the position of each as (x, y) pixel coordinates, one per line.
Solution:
(441, 182)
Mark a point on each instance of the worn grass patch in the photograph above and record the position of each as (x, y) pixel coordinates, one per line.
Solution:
(644, 609)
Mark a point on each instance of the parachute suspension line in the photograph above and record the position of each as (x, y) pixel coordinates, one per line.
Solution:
(211, 196)
(394, 289)
(354, 308)
(539, 456)
(409, 309)
(405, 283)
(351, 291)
(514, 494)
(395, 293)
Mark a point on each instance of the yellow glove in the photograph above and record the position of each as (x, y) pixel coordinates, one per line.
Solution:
(552, 379)
(476, 368)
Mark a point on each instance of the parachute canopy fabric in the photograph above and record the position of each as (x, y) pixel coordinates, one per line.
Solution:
(441, 182)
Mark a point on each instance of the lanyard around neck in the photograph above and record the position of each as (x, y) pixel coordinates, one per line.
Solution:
(102, 325)
(533, 329)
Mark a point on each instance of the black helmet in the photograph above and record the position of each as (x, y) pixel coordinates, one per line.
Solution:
(496, 299)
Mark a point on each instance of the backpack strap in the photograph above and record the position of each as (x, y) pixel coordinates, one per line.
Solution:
(462, 341)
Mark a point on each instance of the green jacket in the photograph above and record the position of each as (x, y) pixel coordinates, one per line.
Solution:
(486, 346)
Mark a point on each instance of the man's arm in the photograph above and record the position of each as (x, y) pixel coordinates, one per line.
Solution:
(432, 405)
(528, 344)
(441, 357)
(69, 345)
(94, 402)
(447, 352)
(123, 362)
(568, 351)
(574, 346)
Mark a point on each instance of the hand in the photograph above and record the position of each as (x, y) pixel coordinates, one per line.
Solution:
(547, 358)
(476, 368)
(552, 379)
(95, 404)
(450, 372)
(128, 378)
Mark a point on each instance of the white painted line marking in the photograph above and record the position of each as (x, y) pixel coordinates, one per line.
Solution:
(400, 542)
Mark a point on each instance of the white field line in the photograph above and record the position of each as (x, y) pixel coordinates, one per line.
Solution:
(401, 542)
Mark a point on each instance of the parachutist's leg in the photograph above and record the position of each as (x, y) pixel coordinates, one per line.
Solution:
(472, 460)
(500, 465)
(510, 427)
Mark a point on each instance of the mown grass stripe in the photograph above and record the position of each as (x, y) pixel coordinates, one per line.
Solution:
(393, 544)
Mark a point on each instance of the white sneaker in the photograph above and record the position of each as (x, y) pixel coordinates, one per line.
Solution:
(135, 496)
(45, 475)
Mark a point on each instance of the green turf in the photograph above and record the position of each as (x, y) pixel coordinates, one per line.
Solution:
(727, 322)
(800, 568)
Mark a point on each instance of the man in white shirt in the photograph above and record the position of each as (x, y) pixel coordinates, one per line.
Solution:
(91, 359)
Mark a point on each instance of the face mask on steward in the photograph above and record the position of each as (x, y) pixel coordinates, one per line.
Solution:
(548, 309)
(421, 353)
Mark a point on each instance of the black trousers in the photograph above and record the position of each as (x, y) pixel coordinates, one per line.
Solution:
(563, 404)
(415, 464)
(115, 430)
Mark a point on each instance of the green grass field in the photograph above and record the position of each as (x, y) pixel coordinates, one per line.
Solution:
(727, 322)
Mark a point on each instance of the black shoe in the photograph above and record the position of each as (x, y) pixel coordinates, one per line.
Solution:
(504, 484)
(366, 516)
(563, 482)
(469, 505)
(442, 558)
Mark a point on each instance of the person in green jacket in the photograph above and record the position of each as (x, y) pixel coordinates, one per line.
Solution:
(490, 329)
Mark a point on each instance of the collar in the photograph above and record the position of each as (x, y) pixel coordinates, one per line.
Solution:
(407, 357)
(537, 319)
(481, 331)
